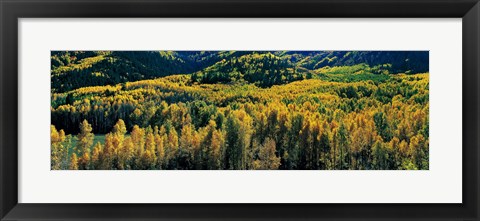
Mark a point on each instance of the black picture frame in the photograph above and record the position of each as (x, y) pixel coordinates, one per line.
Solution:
(11, 10)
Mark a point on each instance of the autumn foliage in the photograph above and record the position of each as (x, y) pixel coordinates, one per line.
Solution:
(337, 118)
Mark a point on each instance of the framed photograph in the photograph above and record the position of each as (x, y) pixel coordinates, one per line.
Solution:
(228, 110)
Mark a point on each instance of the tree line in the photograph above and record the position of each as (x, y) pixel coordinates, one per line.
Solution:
(71, 70)
(172, 123)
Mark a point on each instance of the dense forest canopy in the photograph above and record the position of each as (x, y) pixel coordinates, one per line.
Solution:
(240, 110)
(76, 69)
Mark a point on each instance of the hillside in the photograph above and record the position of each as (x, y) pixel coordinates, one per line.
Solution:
(399, 61)
(239, 110)
(72, 70)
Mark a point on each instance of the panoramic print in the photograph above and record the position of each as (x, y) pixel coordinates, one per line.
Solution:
(239, 110)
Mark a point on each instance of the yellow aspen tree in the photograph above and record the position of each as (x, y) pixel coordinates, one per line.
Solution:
(217, 146)
(404, 149)
(127, 154)
(186, 138)
(54, 136)
(107, 155)
(245, 134)
(119, 128)
(160, 150)
(121, 154)
(171, 146)
(73, 162)
(85, 161)
(59, 149)
(84, 142)
(267, 160)
(85, 137)
(417, 146)
(149, 158)
(138, 139)
(55, 149)
(96, 156)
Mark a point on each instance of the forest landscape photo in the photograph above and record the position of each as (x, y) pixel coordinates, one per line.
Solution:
(239, 110)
